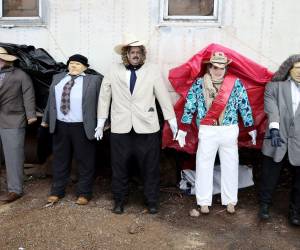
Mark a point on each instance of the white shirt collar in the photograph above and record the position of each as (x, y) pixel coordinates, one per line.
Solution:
(82, 74)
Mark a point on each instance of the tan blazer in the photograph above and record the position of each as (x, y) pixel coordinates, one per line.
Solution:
(137, 111)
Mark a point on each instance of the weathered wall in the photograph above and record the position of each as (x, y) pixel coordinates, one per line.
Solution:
(264, 30)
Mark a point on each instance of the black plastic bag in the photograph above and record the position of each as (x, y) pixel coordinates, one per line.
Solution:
(40, 66)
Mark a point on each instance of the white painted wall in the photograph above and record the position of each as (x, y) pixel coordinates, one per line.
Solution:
(264, 30)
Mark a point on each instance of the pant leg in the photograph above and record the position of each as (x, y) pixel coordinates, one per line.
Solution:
(229, 159)
(62, 157)
(295, 193)
(13, 148)
(269, 178)
(121, 145)
(147, 152)
(85, 156)
(205, 159)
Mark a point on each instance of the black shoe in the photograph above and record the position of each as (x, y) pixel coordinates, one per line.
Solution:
(118, 208)
(152, 209)
(264, 211)
(294, 217)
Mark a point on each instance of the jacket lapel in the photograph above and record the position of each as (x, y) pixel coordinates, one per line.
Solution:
(286, 90)
(57, 80)
(7, 76)
(85, 84)
(123, 79)
(59, 77)
(140, 76)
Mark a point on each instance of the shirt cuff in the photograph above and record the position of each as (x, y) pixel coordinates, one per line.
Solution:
(274, 125)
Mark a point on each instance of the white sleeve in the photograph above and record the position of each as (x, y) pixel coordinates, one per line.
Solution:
(274, 125)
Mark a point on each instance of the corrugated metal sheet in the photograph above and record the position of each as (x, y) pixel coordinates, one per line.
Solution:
(264, 30)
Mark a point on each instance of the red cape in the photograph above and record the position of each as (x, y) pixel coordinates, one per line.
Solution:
(253, 76)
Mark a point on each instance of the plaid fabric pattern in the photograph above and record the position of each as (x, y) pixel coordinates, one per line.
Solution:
(65, 97)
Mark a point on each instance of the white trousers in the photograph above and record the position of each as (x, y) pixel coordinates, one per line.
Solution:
(213, 139)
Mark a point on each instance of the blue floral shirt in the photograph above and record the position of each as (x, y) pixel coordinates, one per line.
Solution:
(238, 101)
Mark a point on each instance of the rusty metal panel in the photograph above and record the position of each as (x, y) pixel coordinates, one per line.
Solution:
(256, 28)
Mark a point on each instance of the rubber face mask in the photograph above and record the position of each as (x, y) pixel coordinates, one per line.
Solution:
(76, 68)
(217, 73)
(134, 55)
(295, 72)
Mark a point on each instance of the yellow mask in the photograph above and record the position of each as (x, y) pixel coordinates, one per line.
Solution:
(295, 72)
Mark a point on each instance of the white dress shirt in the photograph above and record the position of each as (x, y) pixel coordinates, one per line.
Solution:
(295, 92)
(75, 113)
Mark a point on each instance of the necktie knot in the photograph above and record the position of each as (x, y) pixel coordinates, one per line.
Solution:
(73, 77)
(132, 69)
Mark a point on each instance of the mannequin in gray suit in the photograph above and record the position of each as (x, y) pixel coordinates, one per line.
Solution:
(282, 98)
(71, 115)
(17, 108)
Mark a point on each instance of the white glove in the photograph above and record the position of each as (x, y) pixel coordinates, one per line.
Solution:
(173, 127)
(99, 129)
(253, 135)
(181, 137)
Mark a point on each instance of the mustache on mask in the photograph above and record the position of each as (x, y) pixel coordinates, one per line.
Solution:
(136, 57)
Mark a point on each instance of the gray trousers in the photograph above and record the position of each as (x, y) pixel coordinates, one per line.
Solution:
(13, 148)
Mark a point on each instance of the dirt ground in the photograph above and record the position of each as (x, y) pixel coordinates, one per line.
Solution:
(29, 224)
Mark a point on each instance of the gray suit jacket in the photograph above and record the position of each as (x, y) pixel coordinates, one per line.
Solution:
(17, 100)
(90, 93)
(278, 107)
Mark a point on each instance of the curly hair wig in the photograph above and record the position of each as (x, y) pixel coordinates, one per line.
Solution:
(283, 72)
(126, 49)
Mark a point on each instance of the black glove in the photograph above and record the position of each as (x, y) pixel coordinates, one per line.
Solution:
(275, 137)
